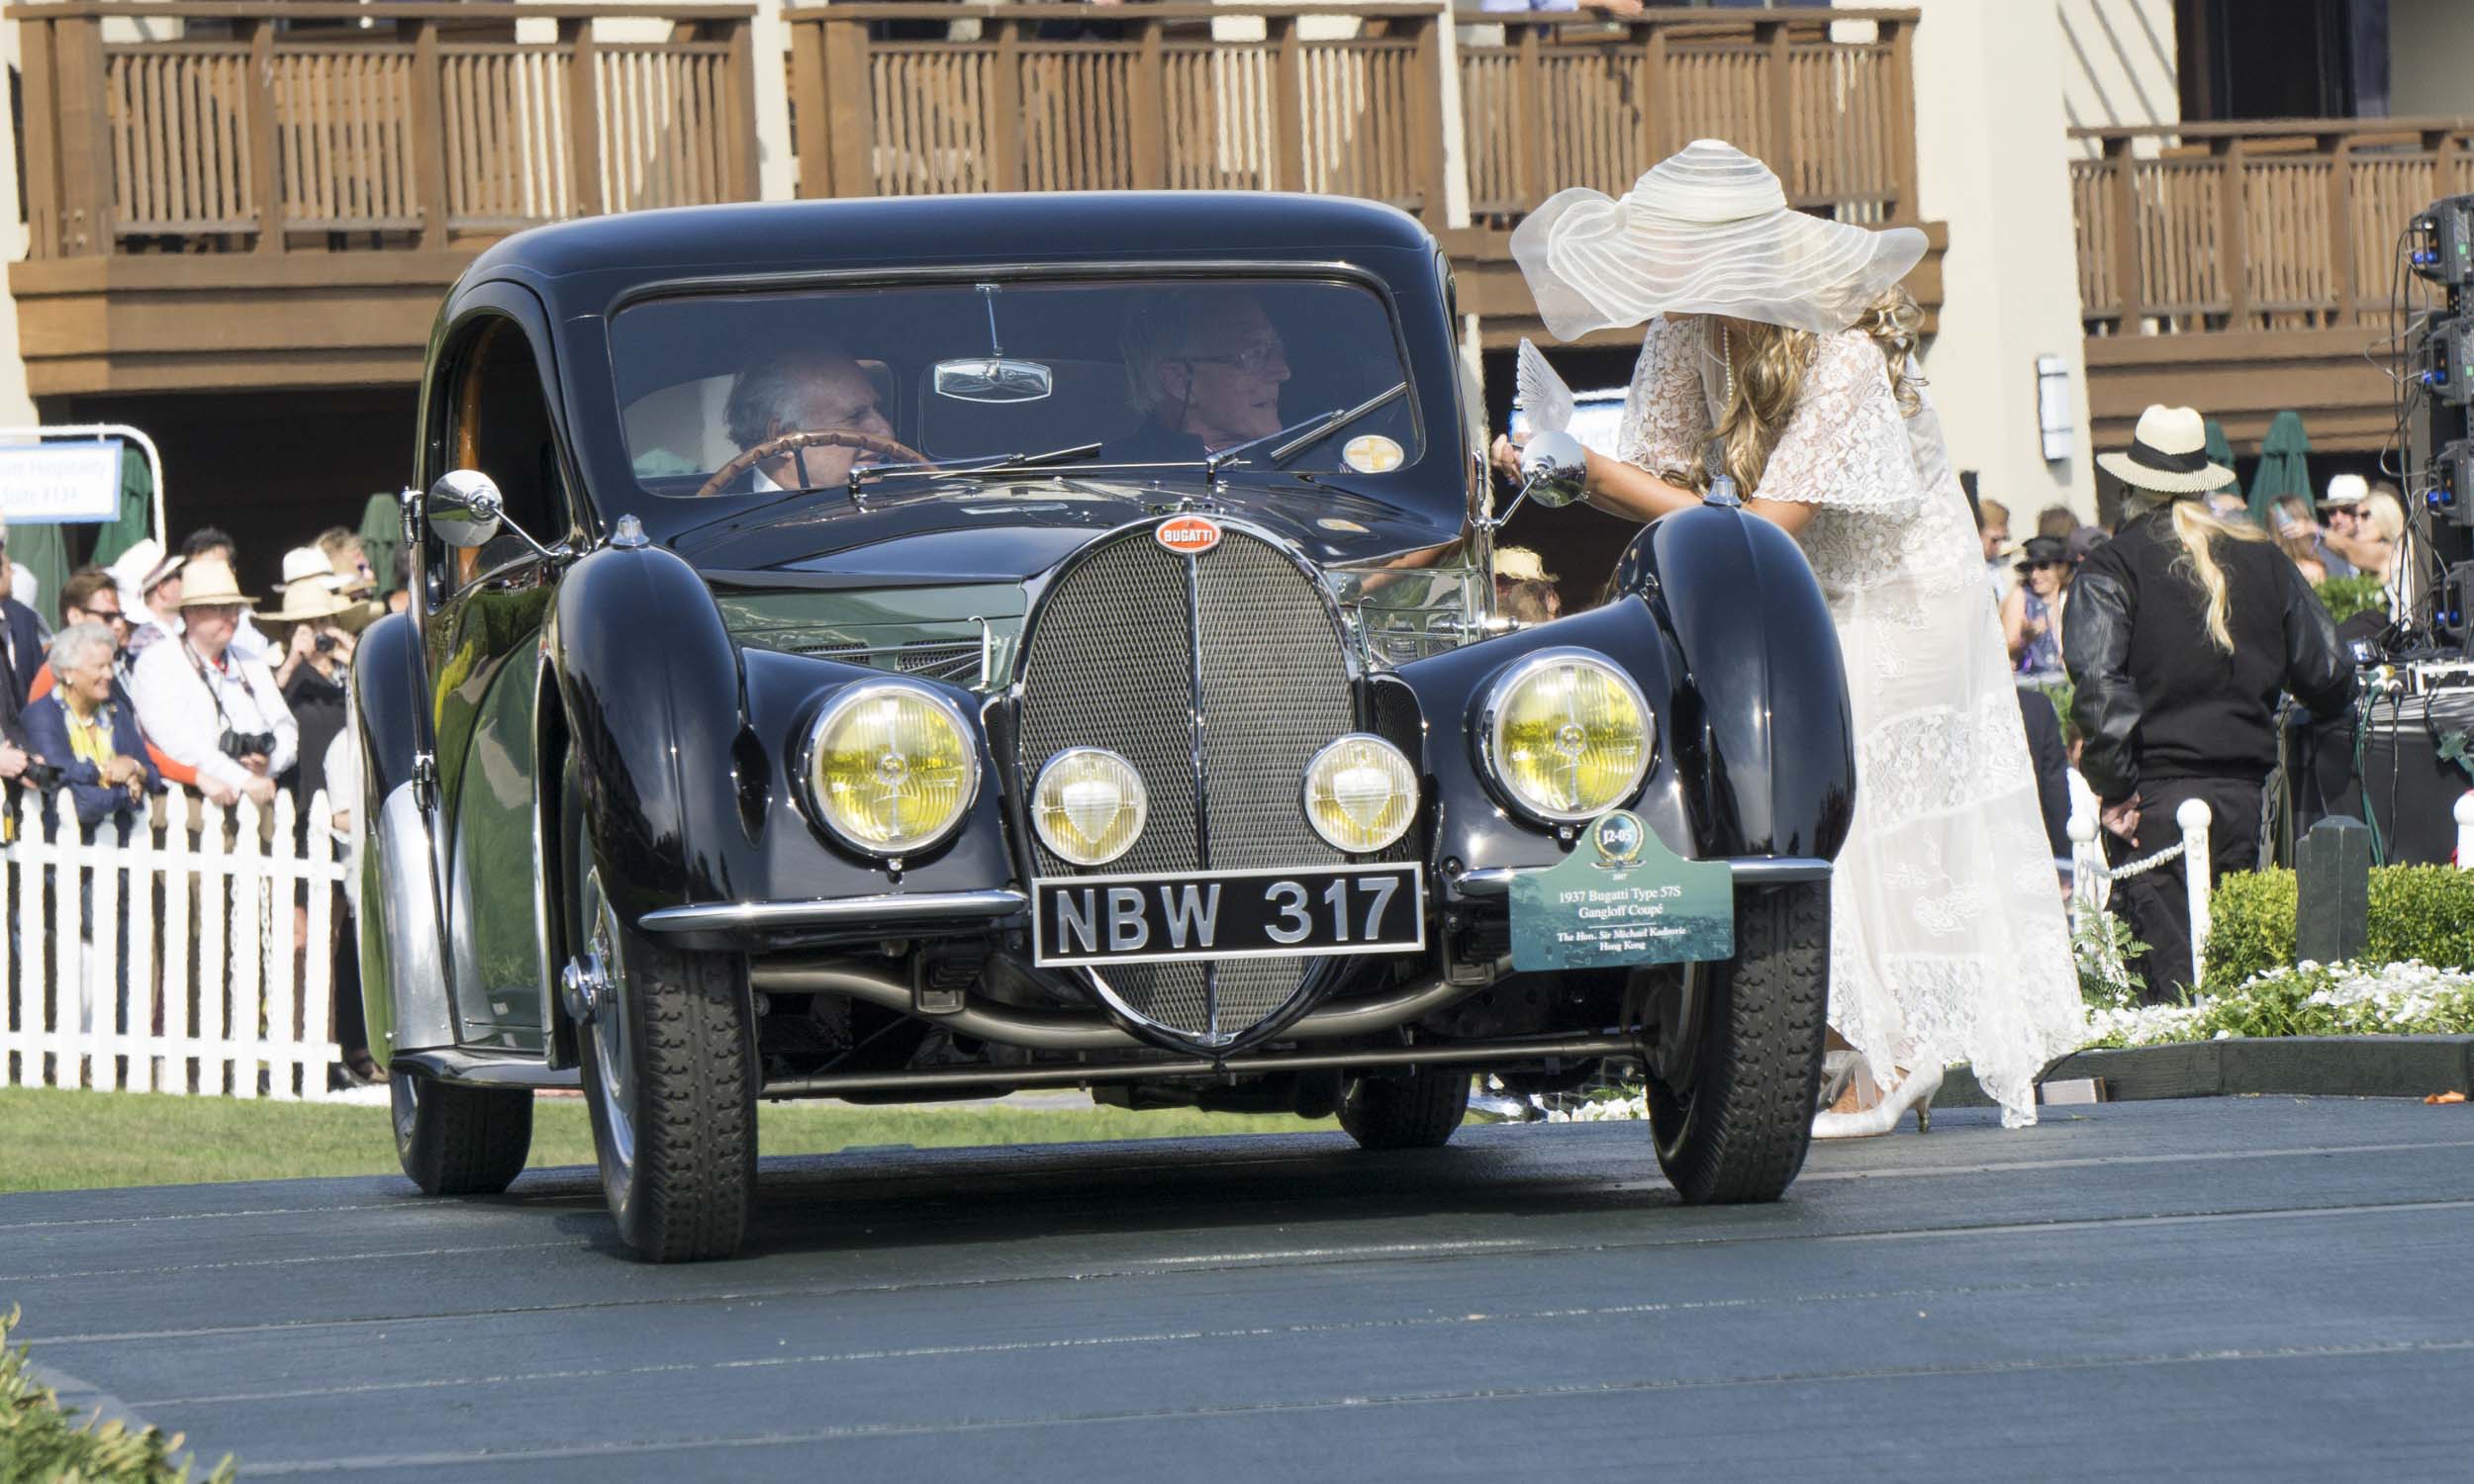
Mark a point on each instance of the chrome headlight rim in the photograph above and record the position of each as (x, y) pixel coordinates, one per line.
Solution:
(1141, 797)
(1305, 792)
(855, 694)
(1491, 733)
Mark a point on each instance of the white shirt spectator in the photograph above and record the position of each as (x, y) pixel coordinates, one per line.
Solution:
(184, 705)
(251, 642)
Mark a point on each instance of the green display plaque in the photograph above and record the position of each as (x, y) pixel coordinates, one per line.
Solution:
(1622, 898)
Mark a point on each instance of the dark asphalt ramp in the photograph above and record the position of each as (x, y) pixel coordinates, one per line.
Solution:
(2220, 1288)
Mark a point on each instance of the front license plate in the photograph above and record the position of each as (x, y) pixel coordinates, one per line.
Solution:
(1228, 914)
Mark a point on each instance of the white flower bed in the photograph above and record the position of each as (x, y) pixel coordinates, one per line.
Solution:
(2411, 999)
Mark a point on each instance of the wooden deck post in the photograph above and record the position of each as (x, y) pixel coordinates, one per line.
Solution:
(1425, 122)
(37, 40)
(1901, 36)
(584, 117)
(428, 137)
(1780, 70)
(847, 113)
(265, 151)
(1148, 112)
(1288, 162)
(1529, 141)
(2234, 231)
(2340, 149)
(808, 105)
(1007, 165)
(1650, 87)
(85, 158)
(2128, 289)
(745, 175)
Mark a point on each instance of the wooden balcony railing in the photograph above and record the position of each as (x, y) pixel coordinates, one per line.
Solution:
(2232, 227)
(409, 135)
(1564, 101)
(1052, 97)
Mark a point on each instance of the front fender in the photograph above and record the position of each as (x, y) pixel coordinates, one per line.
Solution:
(685, 749)
(1761, 653)
(1473, 827)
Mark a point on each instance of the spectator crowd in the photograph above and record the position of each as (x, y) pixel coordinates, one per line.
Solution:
(162, 673)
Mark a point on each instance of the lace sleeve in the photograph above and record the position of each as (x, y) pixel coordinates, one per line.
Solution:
(1665, 416)
(1846, 444)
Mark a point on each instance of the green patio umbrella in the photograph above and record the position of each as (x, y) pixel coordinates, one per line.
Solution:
(43, 551)
(382, 534)
(135, 520)
(2284, 468)
(2221, 452)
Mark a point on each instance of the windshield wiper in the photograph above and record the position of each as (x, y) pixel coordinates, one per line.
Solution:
(1300, 436)
(1002, 463)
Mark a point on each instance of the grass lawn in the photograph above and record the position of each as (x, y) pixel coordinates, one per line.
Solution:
(53, 1140)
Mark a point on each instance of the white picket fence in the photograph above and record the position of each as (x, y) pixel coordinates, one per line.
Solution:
(221, 1002)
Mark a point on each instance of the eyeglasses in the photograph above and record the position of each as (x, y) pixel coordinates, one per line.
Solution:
(1253, 360)
(105, 615)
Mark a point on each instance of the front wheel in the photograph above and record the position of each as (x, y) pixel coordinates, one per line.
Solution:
(1733, 1120)
(454, 1140)
(669, 1076)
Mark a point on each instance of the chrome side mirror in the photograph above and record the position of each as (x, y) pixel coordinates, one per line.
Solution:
(464, 508)
(1553, 467)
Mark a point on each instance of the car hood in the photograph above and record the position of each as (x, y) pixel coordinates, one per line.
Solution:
(1011, 531)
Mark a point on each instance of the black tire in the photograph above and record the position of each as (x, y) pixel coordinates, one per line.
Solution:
(455, 1140)
(1417, 1111)
(1739, 1132)
(671, 1091)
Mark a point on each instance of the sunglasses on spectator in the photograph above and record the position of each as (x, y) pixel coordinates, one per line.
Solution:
(1251, 360)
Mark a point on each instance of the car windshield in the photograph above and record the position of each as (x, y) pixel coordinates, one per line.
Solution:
(745, 393)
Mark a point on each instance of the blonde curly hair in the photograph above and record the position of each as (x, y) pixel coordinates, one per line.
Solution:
(1769, 380)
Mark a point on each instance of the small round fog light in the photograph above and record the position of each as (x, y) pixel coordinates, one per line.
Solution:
(1361, 793)
(1089, 806)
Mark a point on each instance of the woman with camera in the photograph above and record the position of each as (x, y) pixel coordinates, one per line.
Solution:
(207, 707)
(316, 663)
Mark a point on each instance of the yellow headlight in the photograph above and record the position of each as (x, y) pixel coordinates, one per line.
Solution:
(1089, 806)
(1361, 793)
(891, 768)
(1568, 735)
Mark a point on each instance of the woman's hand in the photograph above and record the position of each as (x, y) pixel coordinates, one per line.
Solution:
(1505, 456)
(217, 793)
(118, 770)
(2122, 818)
(13, 760)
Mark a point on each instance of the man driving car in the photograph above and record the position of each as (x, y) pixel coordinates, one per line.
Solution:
(808, 390)
(1203, 366)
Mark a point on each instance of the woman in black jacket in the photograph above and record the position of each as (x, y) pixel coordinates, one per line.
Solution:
(2182, 631)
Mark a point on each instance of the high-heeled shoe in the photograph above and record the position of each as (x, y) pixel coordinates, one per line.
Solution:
(1839, 1070)
(1915, 1092)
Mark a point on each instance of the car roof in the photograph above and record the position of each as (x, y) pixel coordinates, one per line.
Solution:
(1113, 226)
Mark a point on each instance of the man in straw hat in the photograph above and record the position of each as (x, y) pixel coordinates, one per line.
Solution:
(207, 707)
(1790, 332)
(2181, 633)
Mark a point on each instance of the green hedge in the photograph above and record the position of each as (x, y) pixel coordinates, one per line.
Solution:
(38, 1441)
(2348, 596)
(2423, 912)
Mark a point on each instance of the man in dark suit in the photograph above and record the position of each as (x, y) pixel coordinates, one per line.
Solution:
(800, 391)
(20, 634)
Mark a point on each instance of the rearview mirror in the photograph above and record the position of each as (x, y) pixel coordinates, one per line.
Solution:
(464, 508)
(994, 379)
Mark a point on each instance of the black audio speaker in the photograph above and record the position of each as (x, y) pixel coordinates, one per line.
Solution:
(2443, 249)
(2407, 781)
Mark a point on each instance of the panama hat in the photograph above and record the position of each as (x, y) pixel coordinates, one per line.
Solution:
(306, 599)
(307, 564)
(1706, 230)
(208, 582)
(2169, 454)
(1521, 565)
(2345, 489)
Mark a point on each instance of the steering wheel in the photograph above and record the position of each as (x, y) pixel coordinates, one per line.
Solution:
(823, 437)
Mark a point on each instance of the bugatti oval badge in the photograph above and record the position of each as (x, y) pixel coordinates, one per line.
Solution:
(1188, 535)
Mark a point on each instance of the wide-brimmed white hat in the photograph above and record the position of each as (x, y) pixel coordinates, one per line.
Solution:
(2345, 489)
(208, 583)
(1707, 231)
(2169, 454)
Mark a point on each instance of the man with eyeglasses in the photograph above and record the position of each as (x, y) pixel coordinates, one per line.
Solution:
(1205, 367)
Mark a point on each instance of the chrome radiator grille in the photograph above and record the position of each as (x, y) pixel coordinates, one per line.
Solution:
(1125, 650)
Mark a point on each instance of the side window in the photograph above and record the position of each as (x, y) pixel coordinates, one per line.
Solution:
(496, 421)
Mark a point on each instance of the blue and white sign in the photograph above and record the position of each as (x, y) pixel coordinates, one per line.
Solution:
(48, 484)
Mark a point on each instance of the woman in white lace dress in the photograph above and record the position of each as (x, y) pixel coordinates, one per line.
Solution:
(1777, 345)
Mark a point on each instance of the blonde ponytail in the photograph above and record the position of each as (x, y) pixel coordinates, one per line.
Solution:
(2198, 530)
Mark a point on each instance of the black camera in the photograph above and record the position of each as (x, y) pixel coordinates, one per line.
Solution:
(234, 744)
(325, 643)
